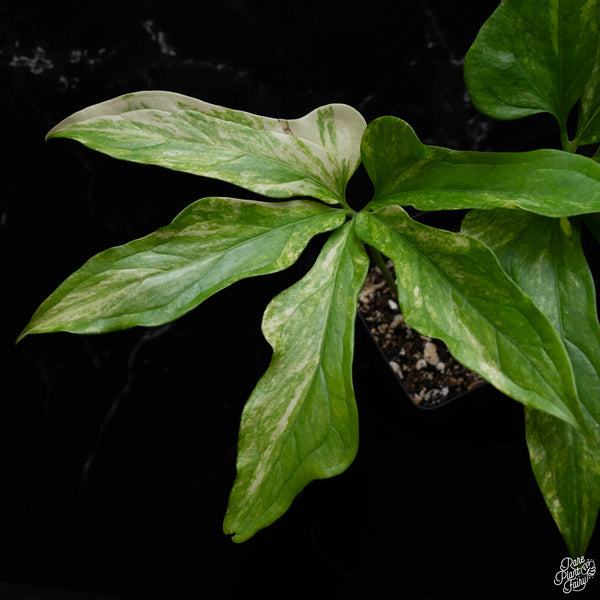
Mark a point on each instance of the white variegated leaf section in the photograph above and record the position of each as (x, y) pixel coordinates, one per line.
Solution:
(311, 156)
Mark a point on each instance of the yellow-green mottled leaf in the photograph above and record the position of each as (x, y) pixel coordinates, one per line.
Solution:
(156, 279)
(406, 172)
(300, 422)
(451, 287)
(544, 257)
(311, 156)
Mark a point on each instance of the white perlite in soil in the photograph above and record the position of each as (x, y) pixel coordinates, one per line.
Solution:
(429, 373)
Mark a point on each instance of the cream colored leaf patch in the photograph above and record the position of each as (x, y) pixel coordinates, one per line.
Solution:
(314, 155)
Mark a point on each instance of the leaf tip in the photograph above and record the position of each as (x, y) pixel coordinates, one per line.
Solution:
(23, 334)
(53, 133)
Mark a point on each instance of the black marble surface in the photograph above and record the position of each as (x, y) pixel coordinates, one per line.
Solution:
(118, 451)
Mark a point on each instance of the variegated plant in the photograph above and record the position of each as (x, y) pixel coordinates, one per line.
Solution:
(511, 294)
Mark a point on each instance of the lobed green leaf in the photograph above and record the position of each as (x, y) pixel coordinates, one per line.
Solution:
(545, 258)
(156, 279)
(407, 172)
(533, 56)
(300, 422)
(312, 156)
(451, 287)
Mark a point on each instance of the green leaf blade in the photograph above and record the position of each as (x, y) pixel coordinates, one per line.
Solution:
(156, 279)
(567, 472)
(452, 287)
(545, 258)
(300, 423)
(279, 158)
(406, 172)
(533, 56)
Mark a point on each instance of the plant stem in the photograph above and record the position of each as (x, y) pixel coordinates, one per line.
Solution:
(567, 145)
(387, 274)
(346, 206)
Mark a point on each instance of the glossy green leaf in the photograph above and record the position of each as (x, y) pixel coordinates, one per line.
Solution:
(568, 473)
(311, 156)
(407, 172)
(533, 56)
(156, 279)
(544, 257)
(300, 422)
(451, 287)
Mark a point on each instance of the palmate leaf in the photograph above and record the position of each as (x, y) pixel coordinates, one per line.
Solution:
(312, 156)
(300, 422)
(156, 279)
(451, 287)
(544, 257)
(533, 56)
(406, 172)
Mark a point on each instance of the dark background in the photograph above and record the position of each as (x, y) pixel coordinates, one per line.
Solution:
(118, 451)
